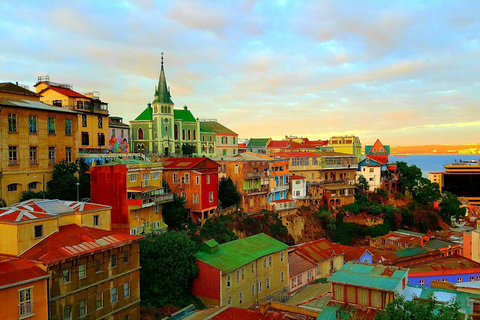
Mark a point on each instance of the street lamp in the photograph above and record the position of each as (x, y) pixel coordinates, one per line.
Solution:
(78, 191)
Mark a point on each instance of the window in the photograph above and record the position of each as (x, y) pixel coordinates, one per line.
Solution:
(459, 280)
(12, 187)
(85, 139)
(38, 230)
(12, 122)
(253, 289)
(32, 186)
(268, 283)
(133, 177)
(68, 154)
(98, 265)
(309, 276)
(25, 299)
(264, 262)
(281, 276)
(445, 280)
(300, 279)
(229, 302)
(32, 124)
(101, 139)
(84, 120)
(65, 275)
(208, 179)
(33, 155)
(155, 175)
(421, 282)
(210, 196)
(259, 285)
(100, 122)
(12, 155)
(126, 257)
(140, 134)
(81, 271)
(51, 154)
(114, 294)
(240, 297)
(68, 127)
(238, 275)
(228, 281)
(371, 169)
(294, 282)
(51, 125)
(270, 261)
(253, 270)
(79, 104)
(113, 261)
(195, 198)
(472, 279)
(175, 178)
(236, 168)
(187, 178)
(189, 135)
(67, 312)
(243, 273)
(183, 134)
(96, 220)
(197, 180)
(126, 289)
(82, 306)
(99, 300)
(478, 278)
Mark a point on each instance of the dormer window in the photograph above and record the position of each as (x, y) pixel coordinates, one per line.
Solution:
(38, 231)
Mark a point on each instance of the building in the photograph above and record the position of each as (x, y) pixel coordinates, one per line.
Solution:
(94, 272)
(436, 177)
(400, 239)
(463, 179)
(33, 137)
(378, 152)
(346, 144)
(226, 140)
(301, 271)
(322, 254)
(196, 180)
(258, 145)
(118, 135)
(370, 286)
(134, 189)
(242, 273)
(374, 167)
(298, 187)
(23, 289)
(92, 112)
(279, 187)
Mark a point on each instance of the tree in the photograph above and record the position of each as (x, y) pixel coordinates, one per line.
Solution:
(409, 175)
(362, 184)
(168, 268)
(227, 193)
(450, 208)
(218, 229)
(426, 192)
(175, 213)
(399, 309)
(188, 150)
(63, 185)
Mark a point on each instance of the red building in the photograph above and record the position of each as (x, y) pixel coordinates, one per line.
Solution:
(195, 179)
(378, 152)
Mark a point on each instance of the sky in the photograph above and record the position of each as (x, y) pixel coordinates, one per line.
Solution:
(407, 72)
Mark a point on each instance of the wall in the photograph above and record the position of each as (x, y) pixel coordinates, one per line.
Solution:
(428, 277)
(206, 286)
(10, 298)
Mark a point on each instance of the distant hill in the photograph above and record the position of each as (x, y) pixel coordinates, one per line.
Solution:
(436, 149)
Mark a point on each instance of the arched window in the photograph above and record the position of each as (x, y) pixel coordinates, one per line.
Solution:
(140, 134)
(183, 134)
(203, 148)
(189, 135)
(211, 149)
(194, 134)
(175, 131)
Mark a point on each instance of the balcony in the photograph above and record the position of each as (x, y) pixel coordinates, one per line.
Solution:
(285, 204)
(262, 189)
(147, 196)
(258, 175)
(332, 182)
(280, 188)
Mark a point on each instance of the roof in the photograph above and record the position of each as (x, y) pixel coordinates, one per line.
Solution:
(19, 103)
(242, 145)
(130, 162)
(282, 201)
(385, 278)
(316, 250)
(189, 163)
(72, 240)
(377, 145)
(184, 115)
(297, 264)
(147, 114)
(234, 254)
(278, 144)
(216, 127)
(37, 209)
(63, 90)
(447, 265)
(438, 244)
(295, 177)
(14, 88)
(257, 142)
(162, 94)
(295, 154)
(15, 271)
(409, 252)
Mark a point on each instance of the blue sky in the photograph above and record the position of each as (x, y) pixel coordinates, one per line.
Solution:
(406, 72)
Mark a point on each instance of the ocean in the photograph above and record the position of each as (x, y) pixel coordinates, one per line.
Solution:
(433, 162)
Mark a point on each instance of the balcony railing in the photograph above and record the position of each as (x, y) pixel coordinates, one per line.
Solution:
(262, 189)
(256, 175)
(332, 182)
(280, 188)
(285, 205)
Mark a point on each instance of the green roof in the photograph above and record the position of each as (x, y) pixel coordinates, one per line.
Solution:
(11, 87)
(409, 252)
(437, 244)
(162, 95)
(234, 254)
(369, 148)
(379, 277)
(146, 114)
(184, 115)
(260, 142)
(204, 130)
(216, 127)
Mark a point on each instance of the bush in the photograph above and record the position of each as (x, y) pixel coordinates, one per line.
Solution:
(352, 208)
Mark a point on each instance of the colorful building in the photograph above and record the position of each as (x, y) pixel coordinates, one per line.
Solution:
(226, 140)
(118, 135)
(196, 180)
(298, 187)
(301, 271)
(346, 144)
(400, 239)
(33, 137)
(94, 272)
(242, 273)
(134, 189)
(92, 112)
(279, 186)
(258, 145)
(374, 168)
(323, 255)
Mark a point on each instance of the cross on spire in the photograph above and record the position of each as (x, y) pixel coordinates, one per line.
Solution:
(162, 59)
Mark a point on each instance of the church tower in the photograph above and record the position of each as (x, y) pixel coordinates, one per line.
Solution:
(163, 117)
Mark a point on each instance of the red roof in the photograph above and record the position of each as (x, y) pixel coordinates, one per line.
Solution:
(232, 313)
(297, 264)
(294, 177)
(36, 209)
(316, 250)
(242, 146)
(64, 91)
(189, 163)
(278, 144)
(72, 241)
(14, 270)
(294, 154)
(282, 200)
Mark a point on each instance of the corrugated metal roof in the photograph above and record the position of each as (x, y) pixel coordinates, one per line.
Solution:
(18, 103)
(14, 270)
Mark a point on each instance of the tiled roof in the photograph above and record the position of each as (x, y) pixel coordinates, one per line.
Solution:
(188, 163)
(147, 114)
(278, 144)
(257, 142)
(13, 88)
(19, 103)
(65, 91)
(297, 264)
(234, 254)
(72, 240)
(37, 209)
(14, 270)
(372, 276)
(184, 115)
(216, 127)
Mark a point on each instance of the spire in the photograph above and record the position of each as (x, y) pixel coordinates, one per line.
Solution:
(162, 93)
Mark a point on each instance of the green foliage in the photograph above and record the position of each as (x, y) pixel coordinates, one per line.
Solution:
(426, 192)
(63, 185)
(378, 230)
(320, 280)
(27, 195)
(406, 217)
(362, 184)
(188, 150)
(354, 208)
(168, 268)
(227, 193)
(362, 200)
(450, 208)
(399, 309)
(166, 187)
(409, 176)
(382, 193)
(218, 229)
(175, 213)
(345, 232)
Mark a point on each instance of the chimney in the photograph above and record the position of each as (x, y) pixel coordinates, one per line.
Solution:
(16, 83)
(185, 108)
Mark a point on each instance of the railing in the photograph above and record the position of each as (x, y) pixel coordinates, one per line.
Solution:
(285, 205)
(262, 189)
(280, 188)
(341, 166)
(255, 175)
(86, 108)
(332, 182)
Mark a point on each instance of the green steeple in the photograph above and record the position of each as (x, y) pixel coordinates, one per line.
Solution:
(162, 93)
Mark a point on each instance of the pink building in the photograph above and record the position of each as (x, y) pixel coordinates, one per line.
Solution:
(301, 271)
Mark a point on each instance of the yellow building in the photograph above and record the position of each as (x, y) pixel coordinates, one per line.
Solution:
(94, 272)
(134, 189)
(92, 112)
(346, 144)
(33, 136)
(242, 273)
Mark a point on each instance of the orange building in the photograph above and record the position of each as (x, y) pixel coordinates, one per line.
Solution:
(33, 136)
(23, 288)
